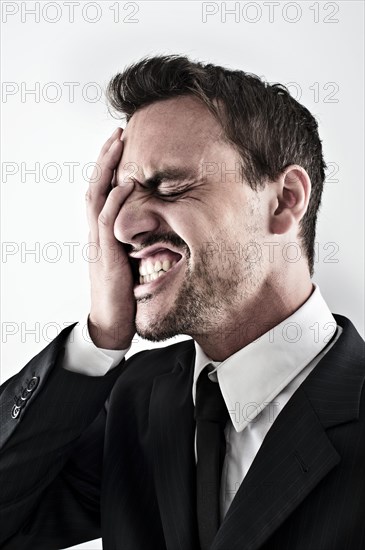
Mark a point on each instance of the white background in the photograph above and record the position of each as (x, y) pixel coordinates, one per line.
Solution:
(296, 43)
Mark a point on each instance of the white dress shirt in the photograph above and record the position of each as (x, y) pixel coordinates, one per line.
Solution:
(256, 382)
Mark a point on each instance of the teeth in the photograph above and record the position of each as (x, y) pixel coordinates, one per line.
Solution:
(150, 272)
(149, 268)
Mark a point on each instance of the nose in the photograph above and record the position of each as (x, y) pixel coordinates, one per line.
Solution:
(136, 218)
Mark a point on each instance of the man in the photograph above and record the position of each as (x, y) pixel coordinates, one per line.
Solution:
(203, 211)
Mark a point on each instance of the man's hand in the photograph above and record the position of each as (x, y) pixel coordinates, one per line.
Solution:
(112, 315)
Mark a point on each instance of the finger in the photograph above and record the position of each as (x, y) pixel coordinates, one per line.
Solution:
(100, 187)
(105, 165)
(105, 148)
(112, 249)
(94, 246)
(117, 134)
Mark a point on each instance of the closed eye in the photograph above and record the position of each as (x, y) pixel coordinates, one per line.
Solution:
(170, 178)
(163, 194)
(168, 195)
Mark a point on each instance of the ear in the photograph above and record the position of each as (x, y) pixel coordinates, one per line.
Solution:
(292, 191)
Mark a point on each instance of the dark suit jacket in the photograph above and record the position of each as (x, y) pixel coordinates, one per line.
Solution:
(74, 468)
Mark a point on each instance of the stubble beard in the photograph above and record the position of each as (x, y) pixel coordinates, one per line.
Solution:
(204, 302)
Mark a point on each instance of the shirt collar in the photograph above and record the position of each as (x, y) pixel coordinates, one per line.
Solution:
(257, 373)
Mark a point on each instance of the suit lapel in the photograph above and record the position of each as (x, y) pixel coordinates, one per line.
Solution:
(172, 429)
(294, 457)
(296, 453)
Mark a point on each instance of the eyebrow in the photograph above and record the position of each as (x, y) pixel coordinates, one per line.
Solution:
(173, 174)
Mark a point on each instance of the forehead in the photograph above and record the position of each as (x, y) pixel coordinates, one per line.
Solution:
(179, 130)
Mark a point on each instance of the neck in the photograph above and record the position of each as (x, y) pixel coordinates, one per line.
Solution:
(273, 304)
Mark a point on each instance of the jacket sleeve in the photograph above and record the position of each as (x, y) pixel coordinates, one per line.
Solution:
(51, 445)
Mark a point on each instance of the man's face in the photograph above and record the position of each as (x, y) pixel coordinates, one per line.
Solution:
(201, 216)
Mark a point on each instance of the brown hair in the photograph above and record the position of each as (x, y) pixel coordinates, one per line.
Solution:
(269, 129)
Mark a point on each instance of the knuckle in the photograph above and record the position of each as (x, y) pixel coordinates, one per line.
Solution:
(88, 195)
(103, 220)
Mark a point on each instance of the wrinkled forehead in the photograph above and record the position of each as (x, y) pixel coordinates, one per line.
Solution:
(180, 130)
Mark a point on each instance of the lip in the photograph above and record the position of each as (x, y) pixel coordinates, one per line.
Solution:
(150, 250)
(141, 289)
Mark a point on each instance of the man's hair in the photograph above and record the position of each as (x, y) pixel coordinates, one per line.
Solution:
(268, 128)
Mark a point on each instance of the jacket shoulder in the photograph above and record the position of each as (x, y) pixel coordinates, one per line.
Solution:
(147, 364)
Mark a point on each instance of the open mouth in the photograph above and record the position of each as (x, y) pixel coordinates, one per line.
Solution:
(153, 265)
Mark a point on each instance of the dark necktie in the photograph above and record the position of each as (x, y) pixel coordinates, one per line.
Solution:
(211, 416)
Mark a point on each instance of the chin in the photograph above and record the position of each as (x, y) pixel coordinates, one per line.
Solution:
(151, 335)
(151, 326)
